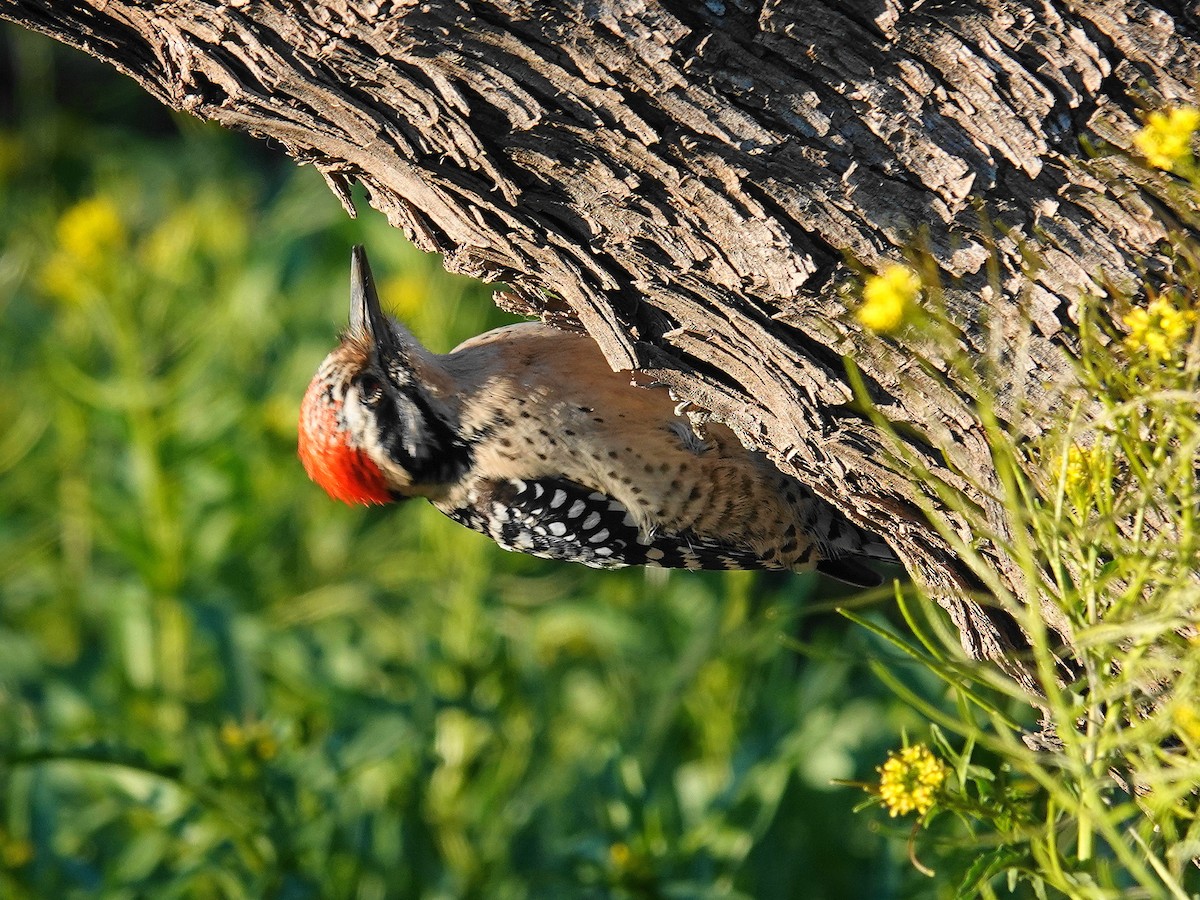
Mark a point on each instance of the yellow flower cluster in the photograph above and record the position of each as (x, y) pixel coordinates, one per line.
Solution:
(1166, 139)
(90, 229)
(91, 238)
(1082, 463)
(889, 298)
(620, 855)
(909, 780)
(1078, 470)
(255, 737)
(1159, 328)
(14, 852)
(1187, 721)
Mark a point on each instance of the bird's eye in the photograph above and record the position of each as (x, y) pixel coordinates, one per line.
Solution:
(370, 388)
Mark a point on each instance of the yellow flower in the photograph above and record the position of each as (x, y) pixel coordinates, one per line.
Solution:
(90, 230)
(266, 747)
(15, 853)
(1187, 721)
(909, 780)
(1166, 139)
(91, 241)
(889, 298)
(233, 735)
(1081, 463)
(1158, 328)
(1077, 467)
(255, 738)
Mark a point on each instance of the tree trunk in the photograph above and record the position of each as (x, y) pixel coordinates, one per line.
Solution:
(688, 181)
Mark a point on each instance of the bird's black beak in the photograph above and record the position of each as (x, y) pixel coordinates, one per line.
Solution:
(366, 315)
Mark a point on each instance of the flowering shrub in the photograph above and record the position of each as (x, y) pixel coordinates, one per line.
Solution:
(1101, 522)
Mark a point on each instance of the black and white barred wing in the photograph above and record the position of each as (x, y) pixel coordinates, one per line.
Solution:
(559, 519)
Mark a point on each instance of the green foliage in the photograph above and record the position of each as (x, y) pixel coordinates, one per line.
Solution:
(216, 682)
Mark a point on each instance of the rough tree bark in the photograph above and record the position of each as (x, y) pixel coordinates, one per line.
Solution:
(687, 180)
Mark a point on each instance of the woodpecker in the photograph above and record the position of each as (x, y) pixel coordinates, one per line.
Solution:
(526, 435)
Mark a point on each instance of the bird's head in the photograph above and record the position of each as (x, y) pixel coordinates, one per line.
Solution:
(372, 429)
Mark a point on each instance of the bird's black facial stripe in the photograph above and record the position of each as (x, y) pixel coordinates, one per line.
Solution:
(413, 434)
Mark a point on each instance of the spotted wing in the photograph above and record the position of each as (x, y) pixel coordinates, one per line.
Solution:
(560, 519)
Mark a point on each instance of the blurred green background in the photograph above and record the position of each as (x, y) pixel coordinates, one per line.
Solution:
(216, 682)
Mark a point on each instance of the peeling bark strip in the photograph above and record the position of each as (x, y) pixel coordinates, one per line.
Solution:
(687, 178)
